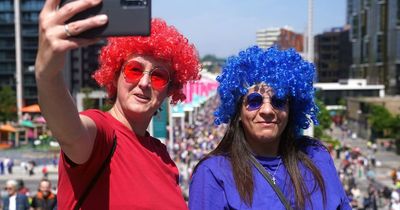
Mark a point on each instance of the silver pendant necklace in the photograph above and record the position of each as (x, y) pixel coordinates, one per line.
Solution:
(273, 175)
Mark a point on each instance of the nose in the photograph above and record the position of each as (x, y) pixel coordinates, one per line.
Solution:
(267, 108)
(145, 81)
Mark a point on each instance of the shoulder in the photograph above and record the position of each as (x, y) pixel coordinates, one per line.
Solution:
(94, 114)
(314, 148)
(215, 165)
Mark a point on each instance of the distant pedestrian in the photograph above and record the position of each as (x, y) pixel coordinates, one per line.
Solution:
(44, 199)
(45, 171)
(14, 200)
(10, 165)
(21, 188)
(1, 167)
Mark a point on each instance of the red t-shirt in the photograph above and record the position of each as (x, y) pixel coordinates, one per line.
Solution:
(141, 173)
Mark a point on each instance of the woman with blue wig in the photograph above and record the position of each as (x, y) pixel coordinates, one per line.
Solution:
(263, 160)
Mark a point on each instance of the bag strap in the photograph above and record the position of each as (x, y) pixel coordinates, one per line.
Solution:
(267, 177)
(96, 176)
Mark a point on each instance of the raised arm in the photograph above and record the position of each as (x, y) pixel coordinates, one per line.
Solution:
(75, 133)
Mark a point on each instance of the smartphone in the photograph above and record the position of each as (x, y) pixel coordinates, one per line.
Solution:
(125, 18)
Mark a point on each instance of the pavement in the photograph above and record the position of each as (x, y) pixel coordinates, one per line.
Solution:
(386, 160)
(23, 156)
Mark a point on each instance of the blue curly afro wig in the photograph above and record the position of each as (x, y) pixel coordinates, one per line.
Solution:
(282, 70)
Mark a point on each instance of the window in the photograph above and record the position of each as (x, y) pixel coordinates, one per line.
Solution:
(354, 28)
(382, 19)
(5, 5)
(7, 17)
(379, 48)
(398, 12)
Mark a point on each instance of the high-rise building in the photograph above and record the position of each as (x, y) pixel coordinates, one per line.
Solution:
(79, 64)
(333, 54)
(29, 35)
(375, 37)
(283, 37)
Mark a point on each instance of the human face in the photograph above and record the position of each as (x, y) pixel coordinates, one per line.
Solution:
(45, 188)
(263, 120)
(11, 190)
(140, 95)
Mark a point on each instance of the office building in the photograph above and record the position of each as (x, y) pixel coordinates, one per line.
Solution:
(375, 37)
(333, 54)
(29, 35)
(79, 64)
(283, 37)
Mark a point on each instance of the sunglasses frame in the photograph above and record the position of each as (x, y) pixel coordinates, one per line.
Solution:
(273, 101)
(149, 72)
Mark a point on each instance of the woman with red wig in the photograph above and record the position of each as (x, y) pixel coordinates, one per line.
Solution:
(108, 159)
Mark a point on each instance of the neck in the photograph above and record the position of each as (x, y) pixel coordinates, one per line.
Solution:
(265, 149)
(137, 124)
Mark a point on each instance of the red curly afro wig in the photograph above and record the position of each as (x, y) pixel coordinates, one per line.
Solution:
(164, 43)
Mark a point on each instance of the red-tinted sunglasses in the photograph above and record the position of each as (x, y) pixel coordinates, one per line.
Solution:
(133, 71)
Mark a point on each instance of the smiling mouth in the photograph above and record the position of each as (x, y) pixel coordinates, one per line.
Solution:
(142, 97)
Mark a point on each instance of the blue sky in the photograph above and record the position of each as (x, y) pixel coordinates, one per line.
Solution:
(223, 27)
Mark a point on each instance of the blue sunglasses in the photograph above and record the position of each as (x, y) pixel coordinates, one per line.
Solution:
(256, 100)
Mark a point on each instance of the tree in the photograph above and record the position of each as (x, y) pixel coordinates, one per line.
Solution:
(324, 119)
(88, 103)
(381, 120)
(7, 104)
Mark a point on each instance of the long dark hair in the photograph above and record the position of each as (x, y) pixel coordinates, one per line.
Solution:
(235, 147)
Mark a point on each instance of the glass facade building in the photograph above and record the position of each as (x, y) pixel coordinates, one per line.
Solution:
(375, 37)
(79, 64)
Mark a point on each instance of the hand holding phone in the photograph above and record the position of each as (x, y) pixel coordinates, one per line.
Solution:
(125, 18)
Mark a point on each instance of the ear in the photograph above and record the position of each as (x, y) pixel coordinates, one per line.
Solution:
(115, 80)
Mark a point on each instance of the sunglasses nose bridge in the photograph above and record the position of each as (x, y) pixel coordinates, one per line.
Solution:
(145, 79)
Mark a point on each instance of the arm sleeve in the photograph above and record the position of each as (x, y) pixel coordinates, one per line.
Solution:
(206, 191)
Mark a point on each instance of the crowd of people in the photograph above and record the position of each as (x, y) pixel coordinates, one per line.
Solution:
(17, 196)
(357, 165)
(194, 141)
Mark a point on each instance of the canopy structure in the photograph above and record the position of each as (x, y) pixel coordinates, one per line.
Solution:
(27, 123)
(7, 128)
(31, 109)
(39, 119)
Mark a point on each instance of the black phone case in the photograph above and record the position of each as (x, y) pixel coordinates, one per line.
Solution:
(125, 18)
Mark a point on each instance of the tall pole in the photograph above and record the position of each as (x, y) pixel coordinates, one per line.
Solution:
(18, 57)
(310, 37)
(310, 52)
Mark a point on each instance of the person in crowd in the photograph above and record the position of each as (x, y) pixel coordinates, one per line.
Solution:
(44, 198)
(263, 161)
(1, 167)
(14, 200)
(21, 188)
(108, 157)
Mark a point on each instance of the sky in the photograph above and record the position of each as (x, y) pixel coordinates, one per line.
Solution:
(224, 27)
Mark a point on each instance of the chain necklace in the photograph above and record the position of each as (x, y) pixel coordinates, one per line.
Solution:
(273, 175)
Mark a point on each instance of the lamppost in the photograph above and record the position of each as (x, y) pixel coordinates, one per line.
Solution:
(358, 131)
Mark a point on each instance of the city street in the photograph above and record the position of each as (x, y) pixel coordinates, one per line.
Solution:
(385, 162)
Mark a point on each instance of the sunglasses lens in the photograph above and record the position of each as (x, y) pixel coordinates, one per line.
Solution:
(159, 78)
(278, 103)
(133, 71)
(254, 101)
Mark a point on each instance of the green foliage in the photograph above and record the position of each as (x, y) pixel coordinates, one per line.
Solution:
(7, 104)
(324, 120)
(209, 57)
(88, 103)
(396, 127)
(380, 119)
(106, 107)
